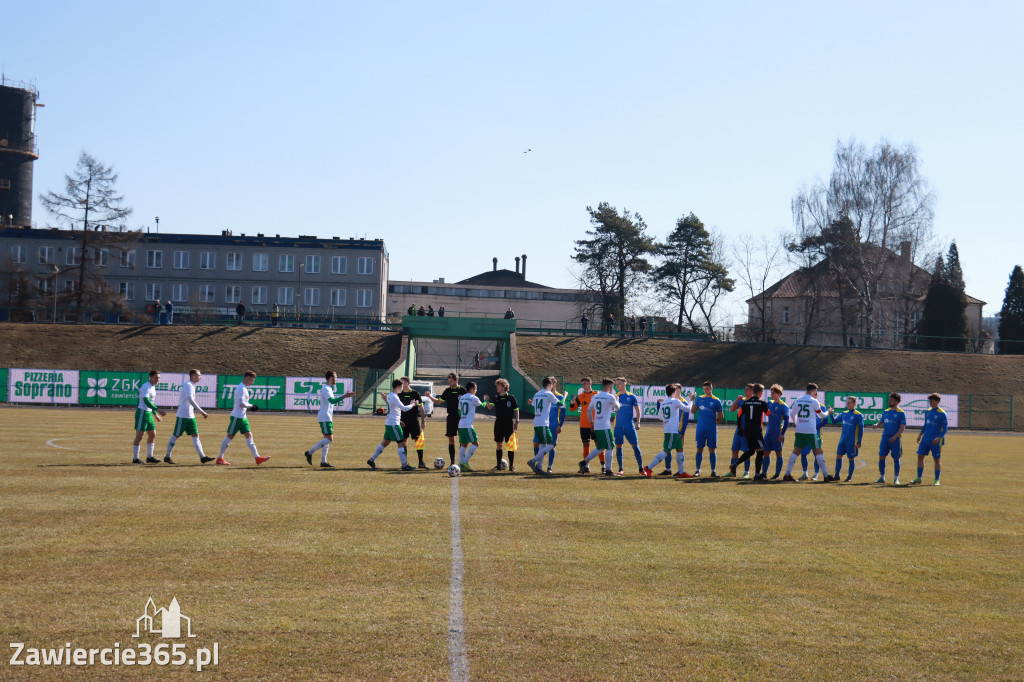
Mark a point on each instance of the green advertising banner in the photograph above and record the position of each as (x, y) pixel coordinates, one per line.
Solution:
(268, 393)
(3, 384)
(871, 405)
(110, 388)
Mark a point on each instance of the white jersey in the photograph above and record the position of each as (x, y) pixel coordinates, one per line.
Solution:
(542, 402)
(395, 409)
(187, 404)
(241, 401)
(326, 412)
(670, 411)
(467, 410)
(147, 390)
(805, 411)
(604, 406)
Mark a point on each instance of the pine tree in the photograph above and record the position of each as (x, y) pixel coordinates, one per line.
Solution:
(943, 323)
(1011, 317)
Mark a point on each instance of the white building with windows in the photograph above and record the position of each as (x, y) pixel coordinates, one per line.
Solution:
(305, 274)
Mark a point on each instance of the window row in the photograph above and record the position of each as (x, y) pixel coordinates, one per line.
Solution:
(207, 260)
(258, 295)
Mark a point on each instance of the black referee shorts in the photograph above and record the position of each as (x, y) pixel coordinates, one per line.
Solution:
(412, 429)
(502, 432)
(452, 425)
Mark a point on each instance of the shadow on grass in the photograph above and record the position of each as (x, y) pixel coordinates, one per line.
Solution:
(247, 333)
(215, 330)
(133, 332)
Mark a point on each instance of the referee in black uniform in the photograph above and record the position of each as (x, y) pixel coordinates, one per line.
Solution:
(450, 399)
(506, 422)
(412, 421)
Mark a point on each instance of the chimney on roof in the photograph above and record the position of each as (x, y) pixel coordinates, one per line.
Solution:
(905, 251)
(524, 267)
(495, 261)
(517, 265)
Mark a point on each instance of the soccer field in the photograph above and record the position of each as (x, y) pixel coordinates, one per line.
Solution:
(297, 572)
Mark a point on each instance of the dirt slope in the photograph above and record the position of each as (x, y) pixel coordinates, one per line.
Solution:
(647, 361)
(216, 350)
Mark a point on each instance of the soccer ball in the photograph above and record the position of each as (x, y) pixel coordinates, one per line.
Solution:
(454, 470)
(438, 463)
(504, 465)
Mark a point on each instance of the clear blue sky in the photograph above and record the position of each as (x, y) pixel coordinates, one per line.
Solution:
(408, 120)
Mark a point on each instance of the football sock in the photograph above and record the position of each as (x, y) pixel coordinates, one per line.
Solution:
(639, 457)
(376, 453)
(551, 457)
(251, 444)
(881, 466)
(224, 446)
(601, 457)
(174, 439)
(511, 458)
(920, 472)
(135, 452)
(543, 450)
(323, 453)
(462, 454)
(592, 455)
(746, 467)
(732, 462)
(803, 462)
(850, 470)
(792, 462)
(657, 458)
(618, 455)
(469, 452)
(497, 459)
(700, 459)
(451, 453)
(419, 453)
(401, 456)
(198, 446)
(714, 459)
(896, 467)
(680, 459)
(765, 463)
(758, 462)
(149, 449)
(586, 449)
(816, 466)
(839, 464)
(820, 460)
(937, 472)
(778, 464)
(319, 444)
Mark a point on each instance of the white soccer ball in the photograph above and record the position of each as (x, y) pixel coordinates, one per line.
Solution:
(438, 463)
(454, 470)
(504, 465)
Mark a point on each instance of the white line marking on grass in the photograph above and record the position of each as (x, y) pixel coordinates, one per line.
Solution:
(53, 441)
(456, 624)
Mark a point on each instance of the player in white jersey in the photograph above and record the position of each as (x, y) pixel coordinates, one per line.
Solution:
(805, 411)
(240, 423)
(542, 402)
(393, 427)
(602, 409)
(671, 411)
(325, 417)
(144, 415)
(468, 440)
(186, 418)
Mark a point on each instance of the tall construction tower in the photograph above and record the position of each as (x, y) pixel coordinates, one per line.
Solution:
(18, 150)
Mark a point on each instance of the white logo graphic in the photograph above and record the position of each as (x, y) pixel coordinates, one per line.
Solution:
(863, 402)
(169, 621)
(97, 387)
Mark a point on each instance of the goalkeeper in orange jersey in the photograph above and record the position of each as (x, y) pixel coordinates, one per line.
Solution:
(582, 402)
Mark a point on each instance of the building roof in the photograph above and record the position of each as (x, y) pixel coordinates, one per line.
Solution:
(502, 278)
(226, 238)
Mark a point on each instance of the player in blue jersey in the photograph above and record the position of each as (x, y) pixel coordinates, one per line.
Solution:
(851, 437)
(627, 421)
(739, 439)
(893, 423)
(710, 414)
(556, 419)
(932, 437)
(775, 435)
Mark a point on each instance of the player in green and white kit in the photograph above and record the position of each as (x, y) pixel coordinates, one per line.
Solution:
(468, 440)
(393, 427)
(240, 423)
(144, 415)
(186, 418)
(542, 402)
(805, 411)
(325, 416)
(602, 409)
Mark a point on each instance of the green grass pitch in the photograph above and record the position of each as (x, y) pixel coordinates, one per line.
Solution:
(302, 573)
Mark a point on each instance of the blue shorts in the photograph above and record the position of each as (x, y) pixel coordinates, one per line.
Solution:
(707, 438)
(887, 448)
(739, 442)
(772, 443)
(847, 449)
(625, 431)
(933, 449)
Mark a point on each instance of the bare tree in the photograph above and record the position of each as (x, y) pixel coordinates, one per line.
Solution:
(758, 262)
(91, 207)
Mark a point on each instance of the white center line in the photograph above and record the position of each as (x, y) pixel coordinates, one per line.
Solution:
(456, 625)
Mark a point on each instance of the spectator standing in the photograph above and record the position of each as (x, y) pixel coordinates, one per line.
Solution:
(170, 312)
(422, 312)
(440, 311)
(430, 311)
(610, 324)
(157, 309)
(275, 313)
(509, 314)
(411, 310)
(643, 325)
(632, 326)
(240, 312)
(584, 321)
